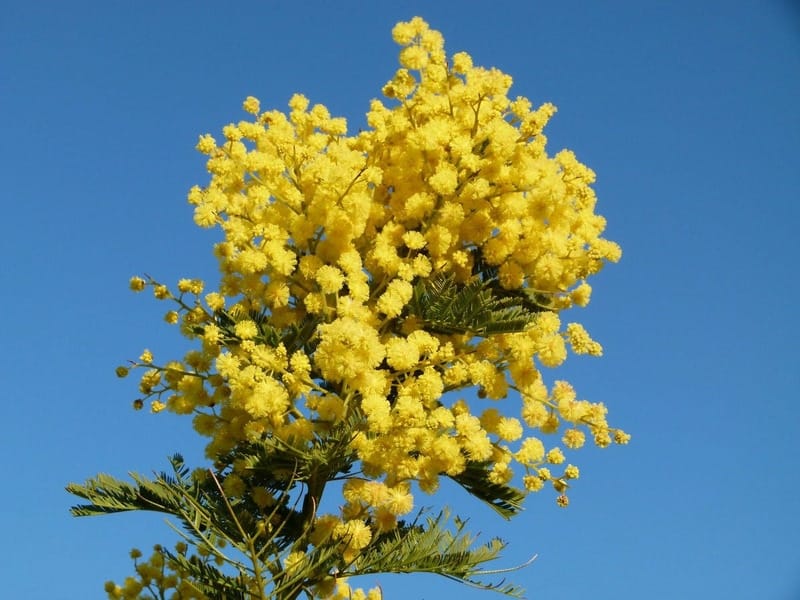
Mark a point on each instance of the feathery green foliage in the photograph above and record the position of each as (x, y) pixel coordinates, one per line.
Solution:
(505, 499)
(475, 308)
(211, 522)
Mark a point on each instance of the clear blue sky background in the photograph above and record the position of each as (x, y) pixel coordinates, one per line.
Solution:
(689, 113)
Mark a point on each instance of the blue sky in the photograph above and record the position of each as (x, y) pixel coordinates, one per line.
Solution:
(688, 112)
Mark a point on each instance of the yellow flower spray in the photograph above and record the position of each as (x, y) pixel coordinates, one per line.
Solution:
(365, 280)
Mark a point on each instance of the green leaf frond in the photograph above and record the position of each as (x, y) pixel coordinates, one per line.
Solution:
(436, 547)
(504, 499)
(479, 307)
(270, 462)
(108, 494)
(198, 503)
(298, 336)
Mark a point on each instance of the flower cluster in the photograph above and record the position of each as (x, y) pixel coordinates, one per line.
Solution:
(155, 577)
(330, 242)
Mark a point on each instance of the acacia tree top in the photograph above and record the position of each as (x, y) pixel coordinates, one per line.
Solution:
(365, 276)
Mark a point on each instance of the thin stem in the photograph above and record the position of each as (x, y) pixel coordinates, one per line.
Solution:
(249, 540)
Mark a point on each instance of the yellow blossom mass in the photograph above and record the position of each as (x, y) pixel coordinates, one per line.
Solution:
(364, 278)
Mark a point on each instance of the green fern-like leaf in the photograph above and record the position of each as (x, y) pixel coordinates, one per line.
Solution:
(107, 495)
(479, 307)
(198, 506)
(504, 499)
(294, 337)
(435, 548)
(272, 462)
